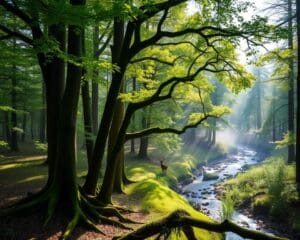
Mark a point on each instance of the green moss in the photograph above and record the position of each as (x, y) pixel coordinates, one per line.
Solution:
(153, 191)
(269, 188)
(155, 197)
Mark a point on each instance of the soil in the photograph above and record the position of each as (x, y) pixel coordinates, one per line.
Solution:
(31, 226)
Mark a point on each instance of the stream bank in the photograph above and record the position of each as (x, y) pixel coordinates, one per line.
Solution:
(203, 195)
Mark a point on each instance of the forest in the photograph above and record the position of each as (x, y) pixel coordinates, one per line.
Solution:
(154, 119)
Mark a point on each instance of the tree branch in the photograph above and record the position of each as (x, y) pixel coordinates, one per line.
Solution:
(152, 9)
(155, 59)
(17, 12)
(104, 45)
(156, 130)
(16, 34)
(182, 219)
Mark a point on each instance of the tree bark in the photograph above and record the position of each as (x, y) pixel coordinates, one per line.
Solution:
(24, 124)
(42, 130)
(144, 141)
(298, 102)
(113, 134)
(119, 58)
(7, 128)
(87, 113)
(54, 75)
(132, 141)
(14, 119)
(95, 86)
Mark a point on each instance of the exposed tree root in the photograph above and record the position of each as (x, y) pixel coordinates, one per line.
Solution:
(86, 211)
(181, 219)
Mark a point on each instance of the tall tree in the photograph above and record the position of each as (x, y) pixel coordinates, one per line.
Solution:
(298, 101)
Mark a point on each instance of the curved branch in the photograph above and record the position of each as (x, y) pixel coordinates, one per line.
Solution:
(182, 219)
(162, 20)
(17, 12)
(156, 130)
(149, 11)
(155, 59)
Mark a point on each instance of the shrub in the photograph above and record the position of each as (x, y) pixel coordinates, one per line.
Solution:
(227, 207)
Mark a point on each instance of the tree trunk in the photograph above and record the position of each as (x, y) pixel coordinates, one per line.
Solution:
(291, 147)
(144, 141)
(298, 103)
(24, 123)
(42, 130)
(87, 113)
(121, 59)
(32, 125)
(95, 86)
(54, 74)
(7, 128)
(132, 141)
(65, 167)
(87, 116)
(14, 119)
(113, 134)
(115, 127)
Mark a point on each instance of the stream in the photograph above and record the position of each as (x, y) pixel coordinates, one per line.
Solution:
(203, 193)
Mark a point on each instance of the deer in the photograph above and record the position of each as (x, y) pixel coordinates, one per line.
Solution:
(163, 168)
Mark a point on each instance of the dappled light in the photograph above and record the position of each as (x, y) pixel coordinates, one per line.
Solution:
(165, 119)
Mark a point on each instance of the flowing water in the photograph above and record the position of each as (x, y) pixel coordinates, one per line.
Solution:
(203, 193)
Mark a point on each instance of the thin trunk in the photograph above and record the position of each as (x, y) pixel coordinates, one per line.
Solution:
(7, 128)
(95, 86)
(273, 121)
(24, 123)
(42, 130)
(14, 120)
(132, 141)
(87, 116)
(144, 141)
(298, 101)
(32, 125)
(214, 131)
(291, 147)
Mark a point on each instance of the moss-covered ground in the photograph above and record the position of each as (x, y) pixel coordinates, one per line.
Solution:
(151, 194)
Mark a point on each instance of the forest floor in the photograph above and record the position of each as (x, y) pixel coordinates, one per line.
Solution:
(24, 174)
(150, 197)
